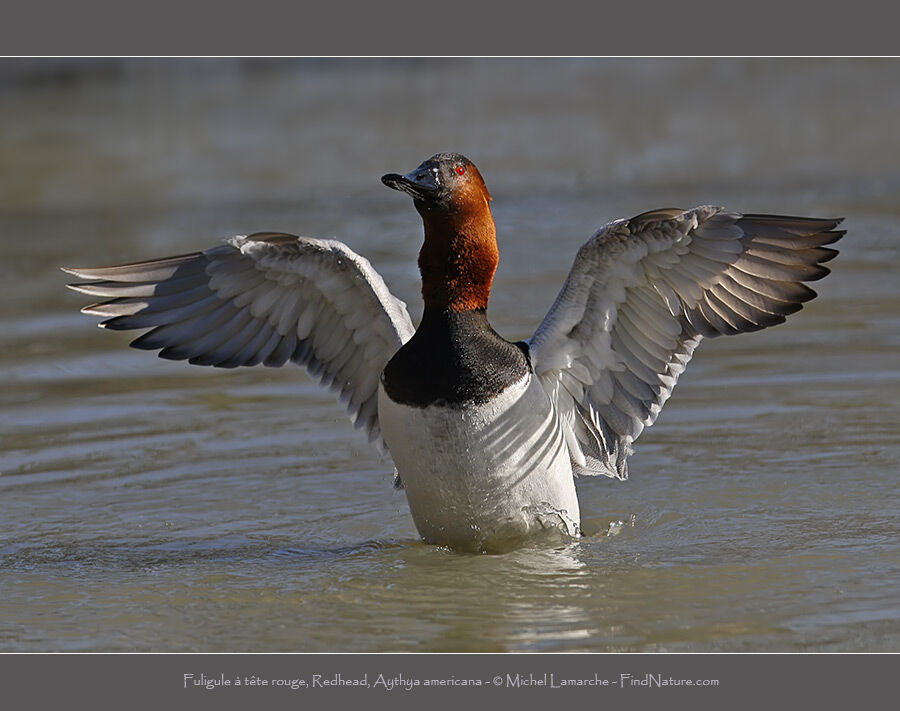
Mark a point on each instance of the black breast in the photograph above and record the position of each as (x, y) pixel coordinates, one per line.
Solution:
(453, 358)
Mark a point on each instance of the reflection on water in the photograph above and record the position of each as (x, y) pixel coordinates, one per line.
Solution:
(150, 505)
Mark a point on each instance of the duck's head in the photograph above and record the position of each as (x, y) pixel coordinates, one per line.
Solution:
(459, 255)
(446, 182)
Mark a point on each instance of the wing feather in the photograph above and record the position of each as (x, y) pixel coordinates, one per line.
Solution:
(640, 297)
(265, 298)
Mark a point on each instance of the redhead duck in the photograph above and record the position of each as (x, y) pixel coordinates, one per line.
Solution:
(486, 435)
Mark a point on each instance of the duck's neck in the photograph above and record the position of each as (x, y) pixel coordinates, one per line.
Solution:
(458, 259)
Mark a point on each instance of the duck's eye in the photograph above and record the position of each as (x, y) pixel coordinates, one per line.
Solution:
(460, 170)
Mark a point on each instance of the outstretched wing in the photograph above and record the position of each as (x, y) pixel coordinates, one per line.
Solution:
(267, 298)
(640, 297)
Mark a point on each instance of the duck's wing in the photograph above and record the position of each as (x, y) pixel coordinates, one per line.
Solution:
(640, 297)
(265, 298)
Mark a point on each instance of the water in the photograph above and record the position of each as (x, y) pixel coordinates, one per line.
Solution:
(153, 506)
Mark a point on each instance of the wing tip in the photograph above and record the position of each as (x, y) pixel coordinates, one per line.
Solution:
(80, 273)
(80, 287)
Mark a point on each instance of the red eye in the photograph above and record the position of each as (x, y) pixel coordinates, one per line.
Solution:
(460, 169)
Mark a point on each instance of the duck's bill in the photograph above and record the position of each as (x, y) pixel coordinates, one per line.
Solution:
(420, 184)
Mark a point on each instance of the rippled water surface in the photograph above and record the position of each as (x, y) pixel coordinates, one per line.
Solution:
(154, 506)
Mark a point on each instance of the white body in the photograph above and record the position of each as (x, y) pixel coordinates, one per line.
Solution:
(483, 476)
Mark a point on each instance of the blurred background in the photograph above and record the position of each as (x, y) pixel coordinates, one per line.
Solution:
(154, 506)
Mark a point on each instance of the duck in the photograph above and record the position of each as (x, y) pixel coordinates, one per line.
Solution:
(487, 435)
